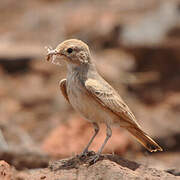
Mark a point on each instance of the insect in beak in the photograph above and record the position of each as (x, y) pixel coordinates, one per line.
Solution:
(51, 53)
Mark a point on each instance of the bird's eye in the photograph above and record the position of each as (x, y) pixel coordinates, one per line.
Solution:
(69, 50)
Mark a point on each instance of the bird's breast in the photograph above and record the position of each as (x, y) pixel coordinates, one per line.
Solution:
(84, 103)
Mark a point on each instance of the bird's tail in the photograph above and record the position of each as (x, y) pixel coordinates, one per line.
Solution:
(144, 139)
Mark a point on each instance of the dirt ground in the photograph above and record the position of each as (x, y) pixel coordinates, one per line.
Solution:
(135, 45)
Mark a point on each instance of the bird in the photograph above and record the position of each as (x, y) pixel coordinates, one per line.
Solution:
(93, 97)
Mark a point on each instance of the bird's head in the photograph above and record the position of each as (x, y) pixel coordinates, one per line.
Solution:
(72, 51)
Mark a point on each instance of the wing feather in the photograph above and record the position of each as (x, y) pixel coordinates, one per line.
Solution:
(62, 85)
(110, 99)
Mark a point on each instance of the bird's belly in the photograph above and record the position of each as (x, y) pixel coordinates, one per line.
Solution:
(87, 106)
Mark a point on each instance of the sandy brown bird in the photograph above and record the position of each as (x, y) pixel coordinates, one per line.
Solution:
(93, 97)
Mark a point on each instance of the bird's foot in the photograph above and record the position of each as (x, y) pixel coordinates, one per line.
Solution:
(86, 154)
(94, 159)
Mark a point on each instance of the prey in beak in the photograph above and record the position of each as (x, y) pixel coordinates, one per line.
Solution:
(52, 55)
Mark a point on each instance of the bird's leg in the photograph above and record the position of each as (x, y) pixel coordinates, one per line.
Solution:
(108, 135)
(96, 130)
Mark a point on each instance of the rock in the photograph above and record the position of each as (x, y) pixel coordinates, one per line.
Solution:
(152, 28)
(109, 167)
(16, 58)
(5, 171)
(22, 158)
(175, 172)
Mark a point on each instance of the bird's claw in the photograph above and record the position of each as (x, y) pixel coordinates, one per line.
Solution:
(86, 154)
(94, 159)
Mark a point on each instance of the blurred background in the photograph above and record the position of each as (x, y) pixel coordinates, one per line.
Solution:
(136, 47)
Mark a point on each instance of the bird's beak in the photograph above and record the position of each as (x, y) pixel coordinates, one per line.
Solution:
(52, 54)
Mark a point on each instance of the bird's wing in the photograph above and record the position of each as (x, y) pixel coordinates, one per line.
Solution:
(62, 85)
(110, 99)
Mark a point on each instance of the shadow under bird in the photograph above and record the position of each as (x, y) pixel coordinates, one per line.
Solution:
(90, 95)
